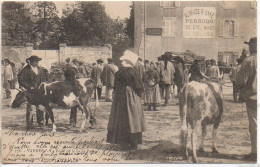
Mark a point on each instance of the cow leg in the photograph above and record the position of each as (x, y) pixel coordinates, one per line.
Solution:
(85, 120)
(184, 140)
(92, 119)
(204, 134)
(47, 116)
(214, 135)
(50, 113)
(73, 117)
(29, 116)
(193, 143)
(39, 116)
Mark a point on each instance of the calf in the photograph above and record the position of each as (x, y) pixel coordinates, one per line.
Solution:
(199, 103)
(62, 94)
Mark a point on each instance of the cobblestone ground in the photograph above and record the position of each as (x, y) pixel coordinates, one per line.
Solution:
(160, 141)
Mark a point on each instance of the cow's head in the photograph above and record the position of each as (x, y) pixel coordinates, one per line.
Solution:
(18, 98)
(86, 87)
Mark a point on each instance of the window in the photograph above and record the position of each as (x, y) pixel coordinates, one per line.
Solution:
(169, 26)
(170, 4)
(229, 4)
(227, 57)
(229, 28)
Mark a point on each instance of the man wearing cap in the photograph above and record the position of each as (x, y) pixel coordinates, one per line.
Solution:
(233, 75)
(96, 76)
(108, 78)
(247, 81)
(30, 79)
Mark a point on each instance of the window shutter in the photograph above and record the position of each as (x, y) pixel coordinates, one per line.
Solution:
(236, 28)
(167, 27)
(163, 27)
(177, 3)
(253, 4)
(171, 28)
(221, 27)
(175, 28)
(161, 3)
(221, 56)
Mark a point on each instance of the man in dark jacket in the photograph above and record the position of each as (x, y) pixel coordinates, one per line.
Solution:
(30, 78)
(96, 76)
(246, 79)
(179, 75)
(108, 78)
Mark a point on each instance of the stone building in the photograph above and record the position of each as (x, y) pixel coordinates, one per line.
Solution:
(214, 29)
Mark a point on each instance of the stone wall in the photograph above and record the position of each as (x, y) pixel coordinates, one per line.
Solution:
(85, 54)
(18, 54)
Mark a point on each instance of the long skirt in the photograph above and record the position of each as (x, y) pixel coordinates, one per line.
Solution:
(152, 94)
(126, 121)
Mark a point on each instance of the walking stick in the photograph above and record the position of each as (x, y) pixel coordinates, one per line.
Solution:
(97, 102)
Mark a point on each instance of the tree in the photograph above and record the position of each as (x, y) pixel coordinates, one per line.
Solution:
(17, 25)
(86, 23)
(46, 25)
(130, 23)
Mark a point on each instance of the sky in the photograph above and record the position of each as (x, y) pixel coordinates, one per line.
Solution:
(114, 9)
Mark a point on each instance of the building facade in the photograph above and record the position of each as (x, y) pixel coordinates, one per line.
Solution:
(214, 29)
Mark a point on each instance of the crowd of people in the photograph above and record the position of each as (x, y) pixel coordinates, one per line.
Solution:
(137, 83)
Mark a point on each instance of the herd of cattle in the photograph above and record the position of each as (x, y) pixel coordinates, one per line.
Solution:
(199, 104)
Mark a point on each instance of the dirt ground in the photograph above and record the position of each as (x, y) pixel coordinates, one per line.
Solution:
(160, 141)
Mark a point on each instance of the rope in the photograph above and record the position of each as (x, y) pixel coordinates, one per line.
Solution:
(228, 86)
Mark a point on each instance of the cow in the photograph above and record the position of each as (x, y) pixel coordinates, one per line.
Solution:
(199, 104)
(62, 94)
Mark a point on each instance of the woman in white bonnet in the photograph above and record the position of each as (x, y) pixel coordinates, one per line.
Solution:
(126, 122)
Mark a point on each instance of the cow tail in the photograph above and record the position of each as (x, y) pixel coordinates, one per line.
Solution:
(183, 116)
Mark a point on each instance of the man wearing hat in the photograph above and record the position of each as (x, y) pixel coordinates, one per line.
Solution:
(108, 78)
(195, 72)
(96, 76)
(30, 79)
(247, 81)
(166, 72)
(233, 75)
